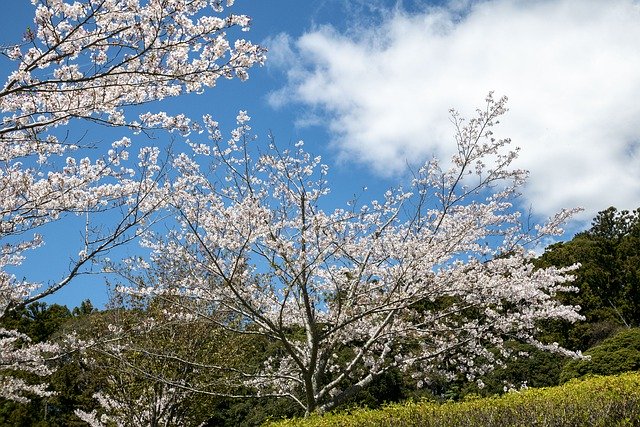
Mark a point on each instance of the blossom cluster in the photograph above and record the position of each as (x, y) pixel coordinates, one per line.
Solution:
(435, 278)
(91, 62)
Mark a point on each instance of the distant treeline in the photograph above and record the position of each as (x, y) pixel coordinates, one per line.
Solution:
(609, 294)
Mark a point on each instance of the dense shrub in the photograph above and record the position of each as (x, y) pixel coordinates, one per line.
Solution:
(599, 401)
(620, 353)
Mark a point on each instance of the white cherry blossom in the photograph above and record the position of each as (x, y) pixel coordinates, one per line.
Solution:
(85, 64)
(434, 278)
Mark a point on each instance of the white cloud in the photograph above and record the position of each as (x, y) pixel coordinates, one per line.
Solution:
(571, 69)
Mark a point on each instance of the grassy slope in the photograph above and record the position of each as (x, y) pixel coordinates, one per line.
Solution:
(598, 401)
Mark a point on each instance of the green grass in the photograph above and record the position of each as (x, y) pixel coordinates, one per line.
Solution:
(597, 401)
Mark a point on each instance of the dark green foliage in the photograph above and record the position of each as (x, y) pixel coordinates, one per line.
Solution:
(250, 412)
(608, 279)
(387, 388)
(620, 353)
(85, 308)
(38, 320)
(74, 386)
(72, 382)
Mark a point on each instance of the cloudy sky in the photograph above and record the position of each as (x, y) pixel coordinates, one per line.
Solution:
(384, 82)
(368, 85)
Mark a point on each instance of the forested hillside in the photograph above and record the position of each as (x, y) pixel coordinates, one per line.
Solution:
(179, 369)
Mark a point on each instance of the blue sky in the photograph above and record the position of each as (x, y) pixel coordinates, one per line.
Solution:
(368, 85)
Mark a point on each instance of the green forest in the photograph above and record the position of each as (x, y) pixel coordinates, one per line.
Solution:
(183, 368)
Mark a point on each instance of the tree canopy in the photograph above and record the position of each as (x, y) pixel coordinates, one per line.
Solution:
(249, 281)
(608, 277)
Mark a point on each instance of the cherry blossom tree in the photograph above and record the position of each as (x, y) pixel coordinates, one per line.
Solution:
(154, 408)
(149, 345)
(85, 65)
(435, 278)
